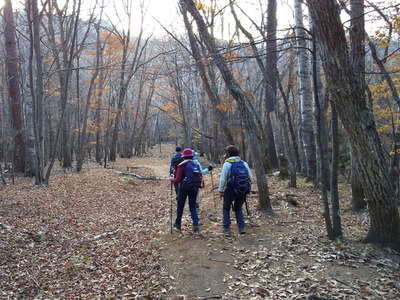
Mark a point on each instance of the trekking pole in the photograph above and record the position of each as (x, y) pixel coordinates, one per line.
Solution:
(248, 212)
(170, 210)
(247, 208)
(212, 190)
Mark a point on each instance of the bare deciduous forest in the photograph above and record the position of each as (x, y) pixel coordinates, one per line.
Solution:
(93, 105)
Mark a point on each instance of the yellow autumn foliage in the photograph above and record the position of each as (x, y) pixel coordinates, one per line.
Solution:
(226, 106)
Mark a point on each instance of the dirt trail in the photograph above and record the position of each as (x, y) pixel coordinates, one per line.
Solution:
(199, 264)
(281, 257)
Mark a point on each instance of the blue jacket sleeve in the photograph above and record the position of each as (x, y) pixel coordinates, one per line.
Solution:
(203, 171)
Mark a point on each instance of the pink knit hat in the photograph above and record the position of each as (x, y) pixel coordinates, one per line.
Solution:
(187, 152)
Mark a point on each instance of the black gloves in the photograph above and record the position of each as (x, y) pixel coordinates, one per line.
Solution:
(210, 168)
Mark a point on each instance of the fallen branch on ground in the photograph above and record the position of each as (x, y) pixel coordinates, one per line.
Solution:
(141, 177)
(105, 234)
(37, 237)
(221, 261)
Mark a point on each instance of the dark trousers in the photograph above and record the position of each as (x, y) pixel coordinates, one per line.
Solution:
(230, 198)
(176, 186)
(182, 195)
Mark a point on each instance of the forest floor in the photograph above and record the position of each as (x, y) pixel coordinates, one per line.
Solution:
(98, 234)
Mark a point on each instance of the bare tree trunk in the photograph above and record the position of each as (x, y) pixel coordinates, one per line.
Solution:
(82, 138)
(187, 127)
(243, 104)
(321, 146)
(271, 81)
(139, 142)
(38, 94)
(31, 165)
(306, 106)
(133, 135)
(13, 85)
(285, 97)
(359, 123)
(98, 117)
(357, 37)
(64, 72)
(270, 77)
(127, 72)
(290, 145)
(336, 220)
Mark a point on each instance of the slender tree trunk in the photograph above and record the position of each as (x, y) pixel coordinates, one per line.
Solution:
(134, 134)
(285, 97)
(98, 115)
(271, 80)
(270, 77)
(289, 144)
(336, 220)
(66, 142)
(82, 138)
(140, 142)
(64, 74)
(38, 113)
(306, 106)
(13, 85)
(242, 101)
(31, 167)
(321, 147)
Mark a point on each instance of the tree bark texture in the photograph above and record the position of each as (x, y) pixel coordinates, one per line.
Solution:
(321, 145)
(347, 95)
(306, 107)
(336, 219)
(13, 85)
(271, 80)
(357, 39)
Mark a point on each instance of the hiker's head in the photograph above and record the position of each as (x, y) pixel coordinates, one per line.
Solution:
(178, 149)
(187, 153)
(232, 150)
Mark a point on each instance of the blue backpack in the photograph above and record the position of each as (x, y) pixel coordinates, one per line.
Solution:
(239, 179)
(193, 177)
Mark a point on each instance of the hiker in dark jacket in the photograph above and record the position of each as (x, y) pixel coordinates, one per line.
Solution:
(234, 185)
(188, 176)
(175, 160)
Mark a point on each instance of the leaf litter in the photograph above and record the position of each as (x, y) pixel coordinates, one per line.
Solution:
(105, 235)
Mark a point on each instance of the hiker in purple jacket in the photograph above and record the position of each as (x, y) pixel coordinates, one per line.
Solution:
(189, 178)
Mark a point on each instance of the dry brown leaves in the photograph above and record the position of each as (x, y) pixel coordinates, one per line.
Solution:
(107, 235)
(300, 261)
(72, 260)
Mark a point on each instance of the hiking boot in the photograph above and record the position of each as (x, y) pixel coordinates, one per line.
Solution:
(242, 231)
(177, 228)
(227, 232)
(196, 229)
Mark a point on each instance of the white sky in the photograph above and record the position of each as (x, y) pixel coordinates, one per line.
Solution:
(167, 13)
